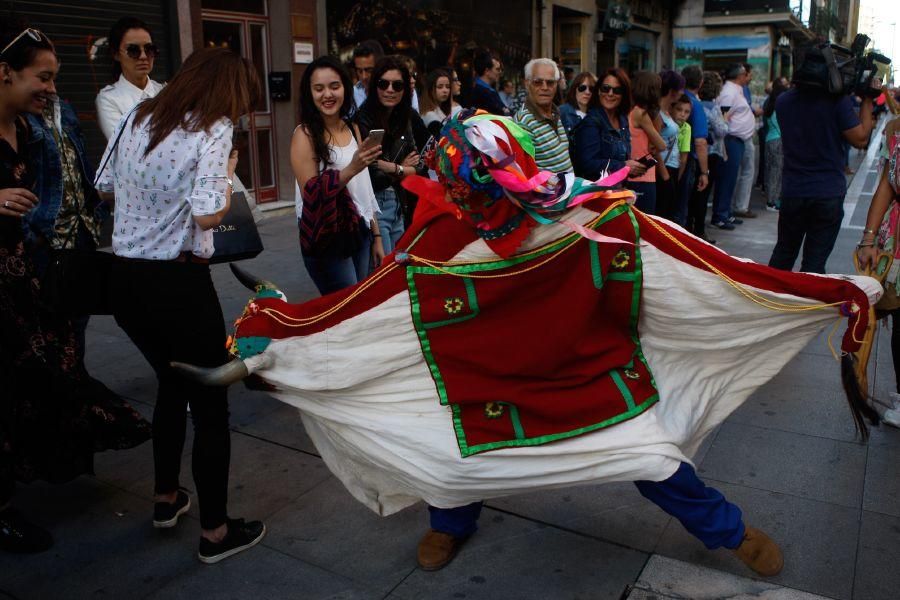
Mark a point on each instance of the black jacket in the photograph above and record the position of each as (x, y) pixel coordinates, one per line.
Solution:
(395, 148)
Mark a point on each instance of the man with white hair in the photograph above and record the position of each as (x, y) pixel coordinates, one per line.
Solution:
(541, 118)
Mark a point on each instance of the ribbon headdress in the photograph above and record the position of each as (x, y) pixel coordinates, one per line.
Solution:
(485, 166)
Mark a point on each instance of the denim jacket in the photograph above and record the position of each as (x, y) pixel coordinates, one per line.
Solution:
(47, 165)
(599, 146)
(570, 117)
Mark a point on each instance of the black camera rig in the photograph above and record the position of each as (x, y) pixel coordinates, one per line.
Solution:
(840, 70)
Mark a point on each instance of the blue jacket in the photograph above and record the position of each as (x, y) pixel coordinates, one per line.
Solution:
(569, 118)
(599, 146)
(487, 98)
(47, 164)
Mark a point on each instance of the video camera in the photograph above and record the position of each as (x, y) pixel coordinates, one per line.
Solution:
(840, 70)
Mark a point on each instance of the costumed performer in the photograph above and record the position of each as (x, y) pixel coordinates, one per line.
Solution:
(534, 331)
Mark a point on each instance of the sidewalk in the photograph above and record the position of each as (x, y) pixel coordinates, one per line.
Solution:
(788, 457)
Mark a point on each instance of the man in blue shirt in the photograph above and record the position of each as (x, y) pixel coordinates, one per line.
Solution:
(483, 95)
(814, 125)
(697, 167)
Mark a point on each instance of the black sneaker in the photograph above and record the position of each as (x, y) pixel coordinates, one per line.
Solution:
(240, 537)
(165, 514)
(21, 536)
(735, 221)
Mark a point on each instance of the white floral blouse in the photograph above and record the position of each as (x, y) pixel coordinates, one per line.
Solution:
(157, 195)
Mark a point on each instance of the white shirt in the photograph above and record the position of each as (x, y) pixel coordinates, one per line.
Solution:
(359, 187)
(438, 115)
(116, 100)
(157, 195)
(741, 120)
(359, 94)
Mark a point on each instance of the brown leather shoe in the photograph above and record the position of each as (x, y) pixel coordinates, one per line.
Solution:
(760, 553)
(437, 549)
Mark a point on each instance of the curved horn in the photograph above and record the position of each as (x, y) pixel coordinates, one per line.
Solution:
(230, 372)
(251, 282)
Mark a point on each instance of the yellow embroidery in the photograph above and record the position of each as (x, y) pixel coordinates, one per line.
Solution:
(632, 374)
(621, 259)
(453, 305)
(493, 410)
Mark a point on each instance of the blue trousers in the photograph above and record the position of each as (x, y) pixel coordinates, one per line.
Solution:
(390, 219)
(333, 274)
(702, 510)
(726, 178)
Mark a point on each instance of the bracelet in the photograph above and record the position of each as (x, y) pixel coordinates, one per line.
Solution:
(376, 235)
(862, 245)
(871, 231)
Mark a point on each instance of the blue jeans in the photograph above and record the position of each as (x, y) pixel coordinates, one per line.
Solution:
(702, 510)
(390, 219)
(726, 178)
(333, 274)
(646, 191)
(813, 223)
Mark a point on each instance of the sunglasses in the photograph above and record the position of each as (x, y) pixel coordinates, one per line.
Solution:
(33, 34)
(583, 88)
(539, 83)
(396, 85)
(134, 50)
(608, 89)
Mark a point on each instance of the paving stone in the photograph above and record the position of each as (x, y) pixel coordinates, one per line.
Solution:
(282, 425)
(807, 466)
(535, 563)
(263, 479)
(261, 573)
(877, 576)
(105, 545)
(329, 528)
(882, 492)
(666, 578)
(615, 512)
(818, 540)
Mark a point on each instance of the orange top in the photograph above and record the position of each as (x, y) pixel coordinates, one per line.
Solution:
(640, 146)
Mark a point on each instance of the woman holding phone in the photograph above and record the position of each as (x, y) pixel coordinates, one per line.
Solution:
(389, 107)
(170, 164)
(330, 160)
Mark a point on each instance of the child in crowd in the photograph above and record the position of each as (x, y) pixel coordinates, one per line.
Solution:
(681, 111)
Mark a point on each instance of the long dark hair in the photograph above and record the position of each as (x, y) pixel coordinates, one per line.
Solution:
(427, 101)
(212, 83)
(116, 33)
(779, 86)
(396, 122)
(625, 106)
(573, 88)
(645, 90)
(310, 117)
(25, 50)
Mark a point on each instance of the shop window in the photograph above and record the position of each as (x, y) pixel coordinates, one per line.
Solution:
(719, 60)
(223, 34)
(256, 7)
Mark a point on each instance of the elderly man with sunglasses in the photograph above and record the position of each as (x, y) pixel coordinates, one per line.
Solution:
(540, 117)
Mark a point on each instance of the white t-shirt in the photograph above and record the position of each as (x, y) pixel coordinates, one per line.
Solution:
(116, 100)
(157, 195)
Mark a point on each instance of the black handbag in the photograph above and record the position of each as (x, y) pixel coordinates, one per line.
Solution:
(236, 237)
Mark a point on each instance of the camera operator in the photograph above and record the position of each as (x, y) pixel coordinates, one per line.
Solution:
(815, 121)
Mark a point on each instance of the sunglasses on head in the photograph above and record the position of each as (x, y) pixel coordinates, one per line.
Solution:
(607, 89)
(134, 50)
(396, 85)
(32, 34)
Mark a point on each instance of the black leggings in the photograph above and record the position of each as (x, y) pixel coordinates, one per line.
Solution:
(895, 344)
(171, 312)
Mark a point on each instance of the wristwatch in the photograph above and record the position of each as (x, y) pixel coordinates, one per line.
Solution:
(399, 170)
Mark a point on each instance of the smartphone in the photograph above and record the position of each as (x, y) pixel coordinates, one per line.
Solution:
(376, 135)
(648, 161)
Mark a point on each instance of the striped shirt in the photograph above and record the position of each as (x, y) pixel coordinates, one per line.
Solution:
(551, 146)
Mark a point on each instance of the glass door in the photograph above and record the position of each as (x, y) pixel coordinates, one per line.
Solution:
(254, 139)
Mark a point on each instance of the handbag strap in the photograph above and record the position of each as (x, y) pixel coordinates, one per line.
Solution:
(114, 146)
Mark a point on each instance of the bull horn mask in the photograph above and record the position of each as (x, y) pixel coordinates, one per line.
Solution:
(251, 282)
(231, 372)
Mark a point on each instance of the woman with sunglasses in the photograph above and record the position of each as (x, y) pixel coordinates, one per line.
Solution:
(330, 162)
(388, 106)
(170, 167)
(133, 52)
(603, 140)
(437, 101)
(53, 417)
(578, 99)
